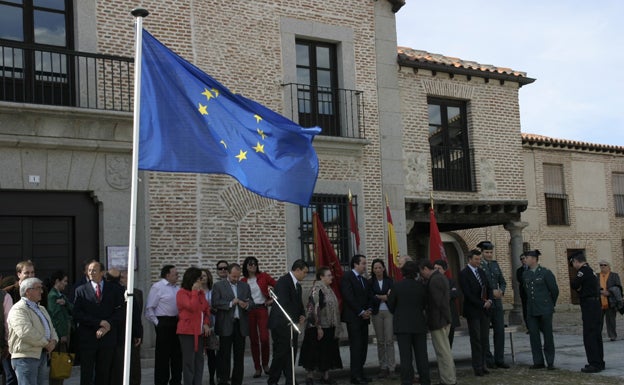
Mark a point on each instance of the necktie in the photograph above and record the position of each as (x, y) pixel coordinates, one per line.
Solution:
(362, 281)
(98, 292)
(478, 277)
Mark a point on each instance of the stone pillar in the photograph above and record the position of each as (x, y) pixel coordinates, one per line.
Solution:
(515, 231)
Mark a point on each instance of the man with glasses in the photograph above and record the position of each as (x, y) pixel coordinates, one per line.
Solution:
(222, 270)
(610, 298)
(31, 335)
(161, 309)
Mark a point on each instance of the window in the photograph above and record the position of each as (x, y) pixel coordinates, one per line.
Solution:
(317, 83)
(333, 211)
(451, 163)
(618, 194)
(37, 75)
(556, 198)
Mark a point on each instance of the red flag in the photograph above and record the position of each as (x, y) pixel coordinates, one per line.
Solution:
(393, 249)
(325, 255)
(353, 228)
(436, 247)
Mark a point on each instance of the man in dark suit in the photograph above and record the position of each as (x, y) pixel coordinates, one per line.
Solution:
(232, 299)
(288, 293)
(407, 301)
(357, 308)
(98, 311)
(523, 294)
(477, 302)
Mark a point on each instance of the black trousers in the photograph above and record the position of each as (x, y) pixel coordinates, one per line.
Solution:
(227, 344)
(479, 328)
(167, 354)
(98, 362)
(591, 314)
(358, 346)
(281, 363)
(415, 343)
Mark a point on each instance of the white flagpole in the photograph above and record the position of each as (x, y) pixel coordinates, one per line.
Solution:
(139, 14)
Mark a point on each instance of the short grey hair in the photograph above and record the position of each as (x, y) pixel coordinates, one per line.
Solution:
(28, 283)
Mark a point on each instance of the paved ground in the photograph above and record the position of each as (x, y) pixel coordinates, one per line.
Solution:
(570, 358)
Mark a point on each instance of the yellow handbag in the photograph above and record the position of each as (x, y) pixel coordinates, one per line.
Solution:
(61, 365)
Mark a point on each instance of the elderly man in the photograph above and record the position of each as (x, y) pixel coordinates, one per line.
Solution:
(31, 335)
(439, 319)
(610, 298)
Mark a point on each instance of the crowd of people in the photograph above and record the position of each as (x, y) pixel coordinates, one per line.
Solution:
(211, 318)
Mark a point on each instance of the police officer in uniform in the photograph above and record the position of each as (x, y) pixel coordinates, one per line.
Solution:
(497, 315)
(587, 285)
(542, 291)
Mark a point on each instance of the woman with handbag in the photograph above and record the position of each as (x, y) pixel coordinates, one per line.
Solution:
(60, 310)
(212, 341)
(193, 323)
(259, 283)
(320, 349)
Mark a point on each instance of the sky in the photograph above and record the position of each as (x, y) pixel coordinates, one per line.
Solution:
(574, 49)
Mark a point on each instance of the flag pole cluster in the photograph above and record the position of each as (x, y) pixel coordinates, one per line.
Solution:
(393, 247)
(325, 255)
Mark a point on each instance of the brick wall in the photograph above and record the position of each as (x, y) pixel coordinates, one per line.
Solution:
(200, 219)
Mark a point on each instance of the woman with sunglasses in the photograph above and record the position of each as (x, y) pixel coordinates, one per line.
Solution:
(259, 283)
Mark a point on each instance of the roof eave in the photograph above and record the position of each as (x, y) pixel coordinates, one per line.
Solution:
(521, 80)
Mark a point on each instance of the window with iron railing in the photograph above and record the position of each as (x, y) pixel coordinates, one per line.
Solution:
(556, 200)
(452, 166)
(316, 99)
(64, 77)
(333, 211)
(618, 194)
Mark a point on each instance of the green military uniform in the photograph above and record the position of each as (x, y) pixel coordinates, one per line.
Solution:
(497, 316)
(542, 291)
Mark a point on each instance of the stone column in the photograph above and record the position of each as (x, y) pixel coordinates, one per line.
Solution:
(515, 231)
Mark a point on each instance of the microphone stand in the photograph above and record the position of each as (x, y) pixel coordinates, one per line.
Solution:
(293, 328)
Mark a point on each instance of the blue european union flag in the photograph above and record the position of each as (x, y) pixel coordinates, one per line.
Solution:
(191, 123)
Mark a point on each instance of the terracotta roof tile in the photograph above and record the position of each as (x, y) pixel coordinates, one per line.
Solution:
(410, 56)
(546, 141)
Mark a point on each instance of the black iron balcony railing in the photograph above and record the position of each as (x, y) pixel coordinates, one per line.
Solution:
(339, 112)
(33, 74)
(452, 168)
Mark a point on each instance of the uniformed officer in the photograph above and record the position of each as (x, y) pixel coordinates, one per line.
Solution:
(497, 315)
(586, 283)
(542, 291)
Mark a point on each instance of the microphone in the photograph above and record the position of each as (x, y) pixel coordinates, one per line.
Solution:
(272, 294)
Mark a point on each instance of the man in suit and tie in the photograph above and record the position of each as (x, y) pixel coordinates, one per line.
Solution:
(288, 292)
(357, 308)
(98, 311)
(477, 302)
(232, 299)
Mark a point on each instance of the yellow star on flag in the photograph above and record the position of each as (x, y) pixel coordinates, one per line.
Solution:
(258, 118)
(259, 148)
(241, 155)
(203, 109)
(215, 92)
(208, 94)
(261, 133)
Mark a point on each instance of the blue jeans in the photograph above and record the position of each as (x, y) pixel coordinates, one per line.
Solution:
(31, 371)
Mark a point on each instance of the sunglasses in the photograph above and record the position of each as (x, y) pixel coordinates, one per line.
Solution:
(603, 264)
(252, 264)
(222, 268)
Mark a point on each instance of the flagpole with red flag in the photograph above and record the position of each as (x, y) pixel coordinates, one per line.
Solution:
(325, 255)
(436, 246)
(353, 228)
(393, 247)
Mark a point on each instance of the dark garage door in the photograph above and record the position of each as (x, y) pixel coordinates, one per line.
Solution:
(56, 230)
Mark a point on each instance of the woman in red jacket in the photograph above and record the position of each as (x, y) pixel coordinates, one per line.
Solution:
(193, 321)
(259, 284)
